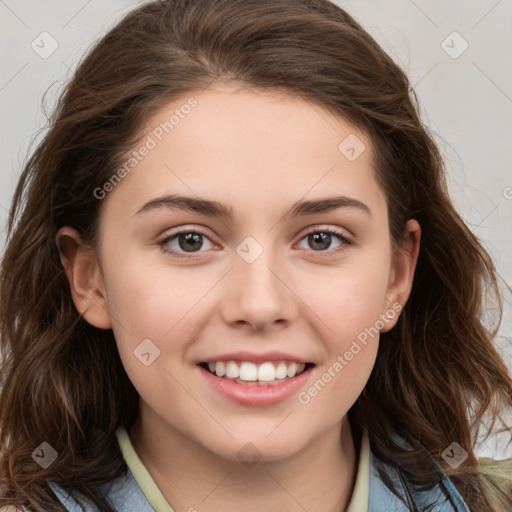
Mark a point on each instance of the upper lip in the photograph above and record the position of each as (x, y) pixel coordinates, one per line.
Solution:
(255, 358)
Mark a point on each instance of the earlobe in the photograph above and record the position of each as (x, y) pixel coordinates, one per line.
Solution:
(404, 260)
(84, 277)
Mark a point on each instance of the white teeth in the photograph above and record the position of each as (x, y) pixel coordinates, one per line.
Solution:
(281, 371)
(292, 370)
(266, 372)
(232, 371)
(219, 369)
(249, 372)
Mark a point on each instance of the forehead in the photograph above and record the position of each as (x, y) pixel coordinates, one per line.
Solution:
(249, 149)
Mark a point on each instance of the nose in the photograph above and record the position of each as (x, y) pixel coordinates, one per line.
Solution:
(259, 293)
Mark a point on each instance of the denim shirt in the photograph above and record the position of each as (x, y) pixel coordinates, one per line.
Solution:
(126, 496)
(442, 498)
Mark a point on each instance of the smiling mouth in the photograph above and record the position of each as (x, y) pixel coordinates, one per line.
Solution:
(250, 374)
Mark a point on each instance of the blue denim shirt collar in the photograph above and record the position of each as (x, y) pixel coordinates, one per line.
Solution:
(126, 496)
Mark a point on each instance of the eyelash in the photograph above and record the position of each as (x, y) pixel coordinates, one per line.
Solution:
(327, 253)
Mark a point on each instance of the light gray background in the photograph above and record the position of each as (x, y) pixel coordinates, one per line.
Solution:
(467, 100)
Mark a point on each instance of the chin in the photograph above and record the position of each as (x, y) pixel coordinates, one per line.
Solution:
(250, 450)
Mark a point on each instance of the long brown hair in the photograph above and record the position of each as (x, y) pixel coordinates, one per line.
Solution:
(437, 373)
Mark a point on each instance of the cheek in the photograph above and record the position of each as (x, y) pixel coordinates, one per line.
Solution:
(159, 303)
(151, 300)
(350, 302)
(350, 309)
(351, 298)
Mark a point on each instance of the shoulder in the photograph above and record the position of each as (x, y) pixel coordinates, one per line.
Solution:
(496, 469)
(497, 478)
(123, 494)
(443, 497)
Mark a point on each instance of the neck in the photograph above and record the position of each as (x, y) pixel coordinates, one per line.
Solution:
(320, 477)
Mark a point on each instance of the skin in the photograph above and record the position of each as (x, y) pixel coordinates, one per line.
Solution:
(258, 153)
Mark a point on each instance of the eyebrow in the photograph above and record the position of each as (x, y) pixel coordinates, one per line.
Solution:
(216, 209)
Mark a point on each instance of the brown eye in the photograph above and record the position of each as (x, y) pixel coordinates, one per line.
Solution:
(320, 240)
(190, 242)
(183, 242)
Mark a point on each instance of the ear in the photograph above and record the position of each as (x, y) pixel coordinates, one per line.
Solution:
(85, 277)
(401, 275)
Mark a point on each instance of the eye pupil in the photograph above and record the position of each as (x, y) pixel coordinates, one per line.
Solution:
(195, 238)
(320, 238)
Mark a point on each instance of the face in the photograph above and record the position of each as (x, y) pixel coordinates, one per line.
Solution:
(267, 281)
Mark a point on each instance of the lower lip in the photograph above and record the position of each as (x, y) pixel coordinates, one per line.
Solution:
(245, 394)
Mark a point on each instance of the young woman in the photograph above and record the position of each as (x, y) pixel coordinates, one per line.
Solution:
(234, 280)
